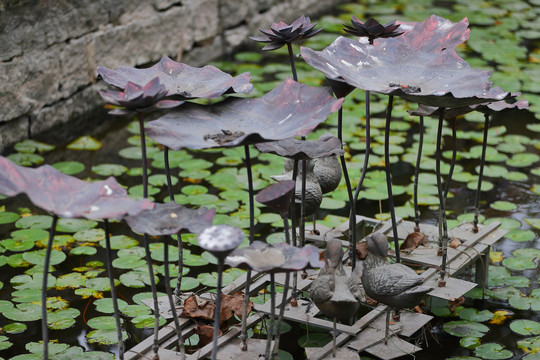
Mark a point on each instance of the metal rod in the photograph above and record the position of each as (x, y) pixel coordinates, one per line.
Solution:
(44, 325)
(143, 155)
(217, 311)
(270, 329)
(291, 58)
(389, 175)
(480, 173)
(113, 289)
(443, 232)
(452, 162)
(368, 148)
(416, 171)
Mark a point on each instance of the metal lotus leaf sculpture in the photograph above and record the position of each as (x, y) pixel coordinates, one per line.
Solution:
(66, 195)
(372, 29)
(327, 145)
(180, 80)
(220, 240)
(144, 98)
(171, 218)
(291, 109)
(280, 257)
(489, 108)
(277, 196)
(281, 33)
(441, 79)
(433, 35)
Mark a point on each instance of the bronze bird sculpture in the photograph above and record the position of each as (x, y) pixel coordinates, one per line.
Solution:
(395, 285)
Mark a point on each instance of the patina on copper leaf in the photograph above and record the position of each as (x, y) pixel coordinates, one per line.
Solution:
(67, 196)
(433, 35)
(441, 79)
(289, 110)
(325, 146)
(280, 257)
(171, 218)
(180, 80)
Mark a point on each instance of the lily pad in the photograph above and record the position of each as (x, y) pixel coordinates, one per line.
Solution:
(104, 337)
(14, 328)
(469, 342)
(84, 143)
(89, 235)
(492, 351)
(472, 314)
(128, 262)
(7, 217)
(74, 225)
(37, 257)
(34, 221)
(109, 169)
(522, 160)
(31, 146)
(520, 235)
(525, 327)
(69, 167)
(119, 242)
(530, 345)
(519, 263)
(462, 328)
(83, 250)
(503, 205)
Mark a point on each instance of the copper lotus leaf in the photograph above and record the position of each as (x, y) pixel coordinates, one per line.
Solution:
(291, 109)
(67, 196)
(170, 218)
(327, 145)
(487, 108)
(180, 80)
(441, 79)
(277, 196)
(280, 257)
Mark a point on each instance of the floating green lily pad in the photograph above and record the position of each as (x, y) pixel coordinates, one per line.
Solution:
(492, 351)
(14, 328)
(102, 323)
(503, 205)
(26, 159)
(109, 169)
(106, 305)
(72, 280)
(34, 221)
(146, 321)
(530, 345)
(24, 312)
(7, 217)
(89, 235)
(469, 342)
(128, 262)
(30, 234)
(472, 314)
(84, 143)
(525, 327)
(17, 245)
(37, 257)
(74, 225)
(462, 328)
(119, 242)
(83, 250)
(104, 337)
(69, 167)
(31, 146)
(520, 235)
(519, 263)
(522, 160)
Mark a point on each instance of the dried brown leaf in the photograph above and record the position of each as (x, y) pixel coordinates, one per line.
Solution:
(412, 241)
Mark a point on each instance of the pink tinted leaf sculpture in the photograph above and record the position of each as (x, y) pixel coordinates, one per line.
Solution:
(441, 79)
(489, 108)
(327, 145)
(291, 109)
(66, 195)
(170, 218)
(277, 196)
(180, 80)
(280, 257)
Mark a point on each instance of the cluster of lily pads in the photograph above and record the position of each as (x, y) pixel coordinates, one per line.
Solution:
(234, 206)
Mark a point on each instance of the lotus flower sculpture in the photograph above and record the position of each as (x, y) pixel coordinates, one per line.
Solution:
(281, 33)
(372, 29)
(180, 80)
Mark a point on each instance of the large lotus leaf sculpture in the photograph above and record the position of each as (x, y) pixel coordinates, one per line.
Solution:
(170, 218)
(289, 110)
(280, 257)
(327, 145)
(489, 108)
(441, 79)
(180, 80)
(67, 196)
(433, 35)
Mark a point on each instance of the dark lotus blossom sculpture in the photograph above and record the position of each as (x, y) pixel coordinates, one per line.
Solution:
(66, 195)
(372, 29)
(171, 218)
(280, 257)
(303, 149)
(180, 80)
(143, 98)
(291, 109)
(441, 79)
(281, 33)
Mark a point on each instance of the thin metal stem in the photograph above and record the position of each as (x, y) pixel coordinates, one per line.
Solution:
(44, 325)
(293, 226)
(291, 58)
(270, 329)
(113, 289)
(243, 333)
(172, 303)
(285, 293)
(480, 173)
(155, 346)
(416, 171)
(389, 176)
(452, 162)
(302, 228)
(368, 148)
(443, 235)
(217, 311)
(143, 154)
(334, 331)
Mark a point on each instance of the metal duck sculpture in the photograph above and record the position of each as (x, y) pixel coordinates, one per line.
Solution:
(335, 293)
(395, 285)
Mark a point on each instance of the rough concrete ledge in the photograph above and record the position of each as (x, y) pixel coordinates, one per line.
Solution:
(49, 49)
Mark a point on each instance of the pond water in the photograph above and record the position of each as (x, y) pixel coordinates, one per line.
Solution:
(217, 178)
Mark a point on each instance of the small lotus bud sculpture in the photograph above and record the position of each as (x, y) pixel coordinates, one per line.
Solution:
(372, 29)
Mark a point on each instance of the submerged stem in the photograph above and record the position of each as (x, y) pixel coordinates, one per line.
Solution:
(389, 176)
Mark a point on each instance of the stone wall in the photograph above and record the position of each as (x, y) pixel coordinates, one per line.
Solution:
(49, 49)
